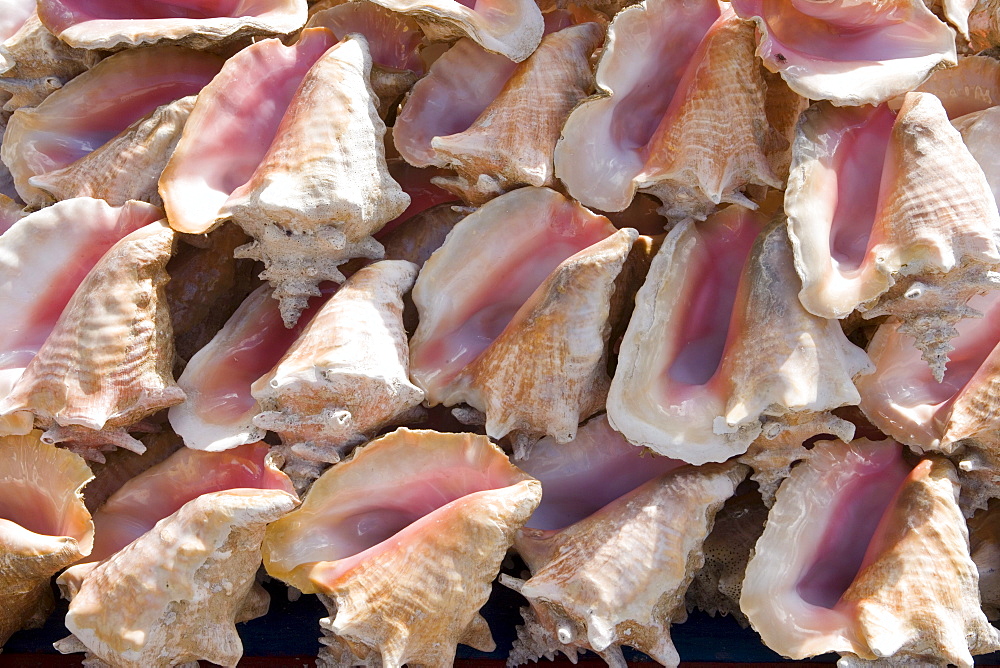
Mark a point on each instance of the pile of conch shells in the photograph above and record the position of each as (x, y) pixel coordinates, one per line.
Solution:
(632, 308)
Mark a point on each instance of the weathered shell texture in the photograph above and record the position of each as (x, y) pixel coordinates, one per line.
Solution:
(619, 576)
(60, 244)
(511, 28)
(473, 341)
(973, 85)
(218, 411)
(916, 243)
(346, 376)
(95, 107)
(512, 141)
(662, 139)
(34, 63)
(128, 166)
(850, 52)
(198, 24)
(323, 188)
(173, 595)
(868, 557)
(233, 123)
(984, 546)
(404, 539)
(107, 363)
(719, 344)
(44, 526)
(984, 25)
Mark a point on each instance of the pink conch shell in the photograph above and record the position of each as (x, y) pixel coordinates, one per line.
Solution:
(850, 52)
(199, 24)
(512, 28)
(865, 557)
(15, 13)
(984, 546)
(34, 63)
(619, 576)
(511, 143)
(10, 213)
(120, 466)
(404, 539)
(44, 526)
(956, 12)
(128, 166)
(175, 593)
(393, 40)
(345, 377)
(231, 127)
(973, 85)
(717, 586)
(218, 411)
(917, 244)
(107, 363)
(719, 344)
(95, 107)
(323, 188)
(547, 288)
(656, 126)
(61, 244)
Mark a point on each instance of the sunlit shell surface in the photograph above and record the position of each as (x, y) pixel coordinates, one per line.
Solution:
(618, 577)
(15, 12)
(345, 377)
(556, 263)
(107, 363)
(105, 24)
(850, 52)
(174, 594)
(323, 187)
(404, 539)
(671, 138)
(719, 341)
(867, 556)
(890, 214)
(44, 526)
(60, 244)
(984, 546)
(973, 85)
(95, 107)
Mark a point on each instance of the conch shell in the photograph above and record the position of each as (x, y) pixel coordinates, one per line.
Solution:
(477, 320)
(619, 576)
(107, 363)
(198, 25)
(174, 594)
(345, 377)
(44, 526)
(916, 245)
(404, 582)
(873, 562)
(719, 344)
(323, 188)
(849, 52)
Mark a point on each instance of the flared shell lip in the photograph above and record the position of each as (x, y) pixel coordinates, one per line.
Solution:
(304, 575)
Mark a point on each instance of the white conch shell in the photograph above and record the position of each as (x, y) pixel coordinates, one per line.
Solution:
(863, 556)
(324, 187)
(173, 595)
(979, 132)
(917, 244)
(346, 376)
(512, 141)
(95, 107)
(654, 125)
(60, 244)
(710, 355)
(107, 363)
(405, 585)
(128, 166)
(850, 52)
(512, 28)
(44, 526)
(199, 25)
(619, 576)
(548, 290)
